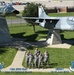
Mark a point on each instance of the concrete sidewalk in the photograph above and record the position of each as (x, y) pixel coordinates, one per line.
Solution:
(17, 62)
(16, 65)
(50, 70)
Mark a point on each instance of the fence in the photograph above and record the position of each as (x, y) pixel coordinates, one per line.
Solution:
(15, 21)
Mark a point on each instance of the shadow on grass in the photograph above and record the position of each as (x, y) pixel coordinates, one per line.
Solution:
(42, 32)
(64, 40)
(30, 47)
(2, 51)
(52, 65)
(18, 35)
(29, 38)
(68, 41)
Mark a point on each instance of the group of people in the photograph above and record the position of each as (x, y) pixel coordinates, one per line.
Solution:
(37, 59)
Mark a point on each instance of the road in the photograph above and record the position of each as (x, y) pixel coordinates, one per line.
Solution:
(17, 21)
(49, 4)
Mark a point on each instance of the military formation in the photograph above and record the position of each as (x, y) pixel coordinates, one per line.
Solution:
(37, 60)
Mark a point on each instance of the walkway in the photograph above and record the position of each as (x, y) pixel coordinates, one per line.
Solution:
(50, 70)
(17, 62)
(16, 65)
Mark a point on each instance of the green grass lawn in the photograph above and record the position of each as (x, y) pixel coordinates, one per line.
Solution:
(58, 57)
(7, 55)
(26, 31)
(61, 14)
(37, 73)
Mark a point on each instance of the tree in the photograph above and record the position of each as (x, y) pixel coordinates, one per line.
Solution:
(31, 10)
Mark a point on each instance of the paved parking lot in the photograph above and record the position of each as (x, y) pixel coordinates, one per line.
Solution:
(47, 3)
(50, 4)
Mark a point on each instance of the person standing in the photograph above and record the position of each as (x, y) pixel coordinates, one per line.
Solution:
(27, 58)
(46, 58)
(36, 51)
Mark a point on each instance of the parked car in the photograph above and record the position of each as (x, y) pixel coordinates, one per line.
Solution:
(18, 3)
(24, 3)
(13, 3)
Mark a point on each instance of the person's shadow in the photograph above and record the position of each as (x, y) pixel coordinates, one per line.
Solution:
(51, 65)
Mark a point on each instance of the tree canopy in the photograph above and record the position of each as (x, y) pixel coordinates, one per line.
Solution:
(30, 10)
